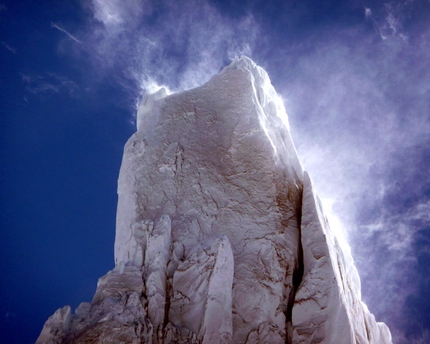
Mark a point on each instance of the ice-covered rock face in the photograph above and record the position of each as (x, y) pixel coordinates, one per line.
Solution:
(220, 237)
(219, 161)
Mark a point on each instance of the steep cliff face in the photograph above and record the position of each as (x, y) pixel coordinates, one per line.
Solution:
(220, 237)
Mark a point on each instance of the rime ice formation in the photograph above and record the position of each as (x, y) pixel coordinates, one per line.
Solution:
(220, 236)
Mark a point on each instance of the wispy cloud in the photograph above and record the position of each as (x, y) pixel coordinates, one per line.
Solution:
(58, 27)
(359, 114)
(388, 17)
(50, 83)
(388, 258)
(117, 12)
(10, 48)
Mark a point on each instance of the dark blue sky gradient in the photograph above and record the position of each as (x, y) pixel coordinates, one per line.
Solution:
(355, 83)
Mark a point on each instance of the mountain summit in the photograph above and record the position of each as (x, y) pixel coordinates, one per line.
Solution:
(220, 235)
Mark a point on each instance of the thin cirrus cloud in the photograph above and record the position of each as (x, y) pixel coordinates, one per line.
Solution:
(360, 119)
(116, 12)
(10, 48)
(59, 28)
(391, 24)
(49, 83)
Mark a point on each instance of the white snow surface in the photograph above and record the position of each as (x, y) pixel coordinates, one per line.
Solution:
(327, 304)
(221, 231)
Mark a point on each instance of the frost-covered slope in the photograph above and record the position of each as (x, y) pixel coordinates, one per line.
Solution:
(220, 237)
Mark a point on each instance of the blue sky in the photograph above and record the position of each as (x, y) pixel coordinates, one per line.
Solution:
(355, 80)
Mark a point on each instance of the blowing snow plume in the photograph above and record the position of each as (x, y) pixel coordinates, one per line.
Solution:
(164, 43)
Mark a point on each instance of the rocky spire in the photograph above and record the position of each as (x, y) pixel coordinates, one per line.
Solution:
(220, 236)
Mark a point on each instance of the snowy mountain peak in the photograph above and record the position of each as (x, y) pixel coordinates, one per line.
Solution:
(220, 235)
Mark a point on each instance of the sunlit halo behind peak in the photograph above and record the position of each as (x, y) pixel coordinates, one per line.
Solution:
(335, 224)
